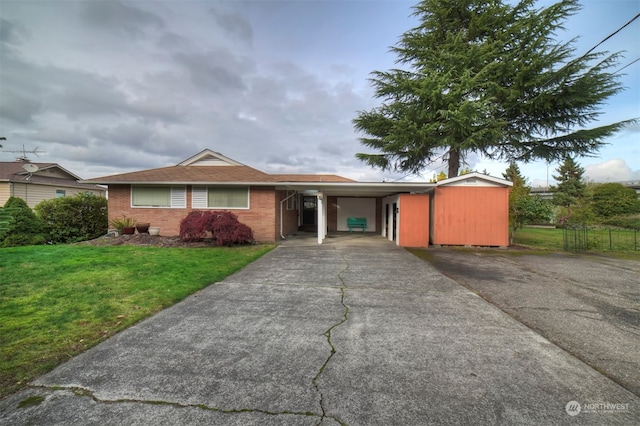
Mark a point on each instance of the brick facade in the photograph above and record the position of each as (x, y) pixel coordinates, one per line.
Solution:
(263, 217)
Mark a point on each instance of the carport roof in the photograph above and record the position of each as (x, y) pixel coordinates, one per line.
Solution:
(358, 189)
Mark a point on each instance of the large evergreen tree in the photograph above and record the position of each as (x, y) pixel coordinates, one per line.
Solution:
(485, 77)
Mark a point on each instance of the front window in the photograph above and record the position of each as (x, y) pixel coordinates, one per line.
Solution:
(158, 196)
(60, 193)
(216, 197)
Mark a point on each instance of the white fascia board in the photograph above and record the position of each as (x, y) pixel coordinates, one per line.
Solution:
(382, 186)
(475, 175)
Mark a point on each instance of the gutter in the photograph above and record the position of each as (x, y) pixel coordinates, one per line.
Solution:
(281, 223)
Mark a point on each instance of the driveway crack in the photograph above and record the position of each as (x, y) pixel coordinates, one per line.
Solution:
(83, 392)
(327, 335)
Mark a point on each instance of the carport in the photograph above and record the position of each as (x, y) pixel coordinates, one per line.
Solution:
(466, 210)
(379, 203)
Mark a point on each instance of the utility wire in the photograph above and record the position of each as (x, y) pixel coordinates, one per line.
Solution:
(630, 63)
(612, 34)
(594, 47)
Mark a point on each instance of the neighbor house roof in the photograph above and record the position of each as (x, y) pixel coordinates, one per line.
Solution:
(10, 170)
(14, 172)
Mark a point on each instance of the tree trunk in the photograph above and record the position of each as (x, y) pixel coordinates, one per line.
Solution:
(454, 162)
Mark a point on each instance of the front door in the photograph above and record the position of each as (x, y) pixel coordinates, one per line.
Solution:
(309, 210)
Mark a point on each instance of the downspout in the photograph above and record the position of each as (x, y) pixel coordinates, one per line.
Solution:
(281, 222)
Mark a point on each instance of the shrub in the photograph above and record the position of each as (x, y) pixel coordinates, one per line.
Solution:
(628, 222)
(223, 228)
(614, 199)
(24, 228)
(77, 218)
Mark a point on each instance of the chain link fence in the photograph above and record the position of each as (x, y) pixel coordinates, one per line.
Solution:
(583, 238)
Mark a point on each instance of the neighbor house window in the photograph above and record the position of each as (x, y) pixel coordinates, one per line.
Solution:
(217, 197)
(159, 196)
(60, 193)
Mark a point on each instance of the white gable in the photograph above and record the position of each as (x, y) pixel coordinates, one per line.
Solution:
(475, 179)
(209, 158)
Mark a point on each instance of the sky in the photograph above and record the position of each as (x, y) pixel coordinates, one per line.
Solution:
(110, 86)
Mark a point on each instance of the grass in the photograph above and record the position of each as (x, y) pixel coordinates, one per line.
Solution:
(619, 243)
(58, 301)
(539, 238)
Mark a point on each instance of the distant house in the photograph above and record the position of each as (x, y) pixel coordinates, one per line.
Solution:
(468, 210)
(35, 182)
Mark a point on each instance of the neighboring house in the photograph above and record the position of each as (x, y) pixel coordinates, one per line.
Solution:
(277, 205)
(35, 182)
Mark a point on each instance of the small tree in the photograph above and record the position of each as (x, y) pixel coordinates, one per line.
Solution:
(614, 199)
(77, 218)
(222, 227)
(524, 208)
(26, 228)
(571, 187)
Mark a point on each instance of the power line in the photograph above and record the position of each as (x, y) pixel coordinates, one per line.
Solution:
(612, 34)
(594, 47)
(630, 63)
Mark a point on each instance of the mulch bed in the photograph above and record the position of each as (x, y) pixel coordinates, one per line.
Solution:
(143, 240)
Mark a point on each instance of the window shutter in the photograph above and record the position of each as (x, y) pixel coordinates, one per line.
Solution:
(199, 198)
(179, 197)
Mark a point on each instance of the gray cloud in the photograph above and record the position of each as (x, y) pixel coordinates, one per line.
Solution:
(234, 24)
(18, 107)
(12, 32)
(218, 71)
(115, 16)
(172, 41)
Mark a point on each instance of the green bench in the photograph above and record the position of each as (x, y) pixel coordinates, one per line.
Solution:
(357, 222)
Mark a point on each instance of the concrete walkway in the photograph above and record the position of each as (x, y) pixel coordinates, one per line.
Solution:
(356, 331)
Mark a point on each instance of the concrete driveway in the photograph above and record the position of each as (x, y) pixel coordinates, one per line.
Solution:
(356, 331)
(587, 304)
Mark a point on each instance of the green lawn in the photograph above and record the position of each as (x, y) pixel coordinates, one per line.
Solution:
(619, 243)
(539, 238)
(57, 301)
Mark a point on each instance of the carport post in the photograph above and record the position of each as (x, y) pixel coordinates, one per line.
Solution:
(320, 212)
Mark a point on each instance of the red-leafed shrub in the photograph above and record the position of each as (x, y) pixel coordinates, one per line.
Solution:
(223, 228)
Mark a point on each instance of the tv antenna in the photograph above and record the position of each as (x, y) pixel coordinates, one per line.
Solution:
(24, 152)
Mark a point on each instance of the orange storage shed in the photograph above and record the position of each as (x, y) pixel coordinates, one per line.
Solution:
(471, 210)
(414, 220)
